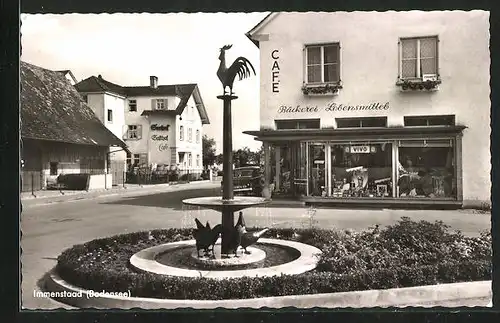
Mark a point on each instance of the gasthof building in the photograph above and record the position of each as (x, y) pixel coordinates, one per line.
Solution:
(376, 108)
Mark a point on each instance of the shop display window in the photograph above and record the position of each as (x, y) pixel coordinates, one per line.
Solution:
(361, 170)
(426, 169)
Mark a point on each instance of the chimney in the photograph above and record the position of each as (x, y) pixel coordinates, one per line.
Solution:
(153, 82)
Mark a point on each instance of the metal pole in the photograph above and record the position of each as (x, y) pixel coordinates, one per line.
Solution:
(32, 183)
(227, 189)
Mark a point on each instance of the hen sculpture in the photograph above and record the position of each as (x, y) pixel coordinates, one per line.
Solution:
(206, 237)
(241, 67)
(248, 238)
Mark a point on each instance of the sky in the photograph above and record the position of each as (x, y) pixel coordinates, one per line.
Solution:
(177, 48)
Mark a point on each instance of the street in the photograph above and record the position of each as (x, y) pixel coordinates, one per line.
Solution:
(47, 230)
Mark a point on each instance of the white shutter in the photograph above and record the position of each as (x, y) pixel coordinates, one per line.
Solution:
(153, 104)
(139, 132)
(125, 132)
(165, 103)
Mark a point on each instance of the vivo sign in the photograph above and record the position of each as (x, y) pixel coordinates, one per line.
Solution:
(360, 149)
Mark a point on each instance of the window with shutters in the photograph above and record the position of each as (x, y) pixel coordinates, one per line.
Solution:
(197, 136)
(132, 105)
(190, 160)
(418, 63)
(190, 135)
(160, 104)
(134, 132)
(197, 160)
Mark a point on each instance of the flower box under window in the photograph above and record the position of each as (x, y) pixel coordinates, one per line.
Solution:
(321, 89)
(418, 84)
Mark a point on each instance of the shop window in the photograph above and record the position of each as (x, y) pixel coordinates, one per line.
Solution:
(132, 105)
(372, 122)
(134, 132)
(425, 121)
(53, 168)
(426, 169)
(419, 58)
(361, 170)
(322, 63)
(297, 124)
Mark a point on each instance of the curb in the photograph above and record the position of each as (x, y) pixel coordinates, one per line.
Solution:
(399, 297)
(39, 201)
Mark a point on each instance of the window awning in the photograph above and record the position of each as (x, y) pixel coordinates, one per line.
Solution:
(391, 133)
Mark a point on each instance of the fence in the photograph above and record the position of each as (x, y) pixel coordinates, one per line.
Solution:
(31, 181)
(145, 175)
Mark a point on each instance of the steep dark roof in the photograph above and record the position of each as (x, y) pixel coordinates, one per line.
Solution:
(52, 109)
(183, 91)
(98, 84)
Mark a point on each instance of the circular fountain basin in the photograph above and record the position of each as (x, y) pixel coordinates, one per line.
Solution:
(255, 255)
(217, 203)
(147, 261)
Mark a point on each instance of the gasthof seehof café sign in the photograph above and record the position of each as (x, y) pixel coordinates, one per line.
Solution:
(332, 107)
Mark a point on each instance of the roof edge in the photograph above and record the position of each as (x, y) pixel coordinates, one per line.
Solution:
(260, 25)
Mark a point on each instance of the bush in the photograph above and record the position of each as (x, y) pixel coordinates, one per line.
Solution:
(397, 256)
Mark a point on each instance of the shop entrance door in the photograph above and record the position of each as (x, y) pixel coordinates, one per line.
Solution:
(317, 170)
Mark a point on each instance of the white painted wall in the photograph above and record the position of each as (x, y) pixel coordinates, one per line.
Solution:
(369, 70)
(190, 120)
(96, 102)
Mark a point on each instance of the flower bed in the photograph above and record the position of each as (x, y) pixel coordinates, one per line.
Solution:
(406, 254)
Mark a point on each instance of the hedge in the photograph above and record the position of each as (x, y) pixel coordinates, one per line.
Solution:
(408, 254)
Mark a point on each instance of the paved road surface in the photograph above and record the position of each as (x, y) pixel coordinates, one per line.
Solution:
(49, 229)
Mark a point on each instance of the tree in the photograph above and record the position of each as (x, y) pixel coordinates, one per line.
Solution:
(208, 150)
(219, 159)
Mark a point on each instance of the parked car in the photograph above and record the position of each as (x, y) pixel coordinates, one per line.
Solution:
(248, 180)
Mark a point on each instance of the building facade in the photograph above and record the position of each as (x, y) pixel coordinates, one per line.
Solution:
(161, 124)
(60, 133)
(369, 107)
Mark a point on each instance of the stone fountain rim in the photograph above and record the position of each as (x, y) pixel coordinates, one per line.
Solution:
(144, 260)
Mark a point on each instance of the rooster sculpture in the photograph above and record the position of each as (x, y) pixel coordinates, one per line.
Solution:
(206, 237)
(241, 67)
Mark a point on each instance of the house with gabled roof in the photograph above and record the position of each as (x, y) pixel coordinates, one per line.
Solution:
(161, 124)
(376, 108)
(60, 133)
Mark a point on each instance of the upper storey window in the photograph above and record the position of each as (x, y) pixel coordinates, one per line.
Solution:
(323, 63)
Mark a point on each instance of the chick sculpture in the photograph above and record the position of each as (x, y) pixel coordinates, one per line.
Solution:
(241, 67)
(206, 237)
(247, 238)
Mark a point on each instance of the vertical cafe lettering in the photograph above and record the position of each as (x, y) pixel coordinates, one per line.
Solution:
(275, 71)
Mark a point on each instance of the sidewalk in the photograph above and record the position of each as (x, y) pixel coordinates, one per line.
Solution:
(57, 196)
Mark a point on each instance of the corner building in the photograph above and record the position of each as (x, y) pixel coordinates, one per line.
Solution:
(376, 108)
